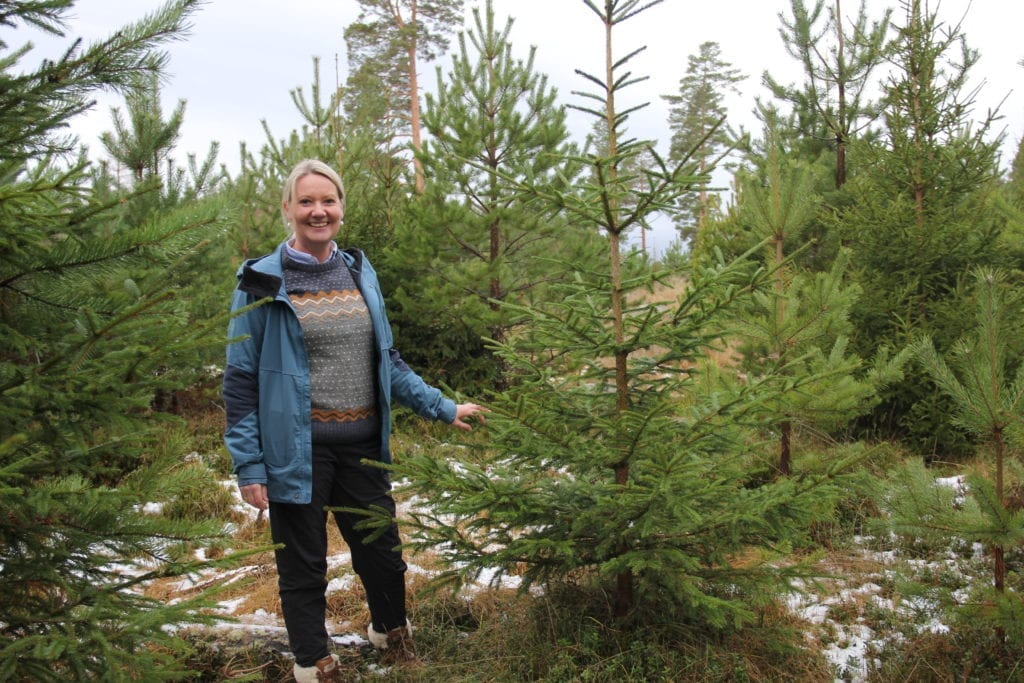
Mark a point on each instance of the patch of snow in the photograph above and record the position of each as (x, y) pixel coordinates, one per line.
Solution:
(342, 559)
(229, 606)
(934, 626)
(261, 617)
(349, 640)
(956, 482)
(883, 603)
(849, 653)
(491, 578)
(340, 583)
(815, 614)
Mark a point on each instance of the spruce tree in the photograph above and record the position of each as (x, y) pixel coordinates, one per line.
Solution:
(633, 167)
(621, 454)
(80, 363)
(922, 219)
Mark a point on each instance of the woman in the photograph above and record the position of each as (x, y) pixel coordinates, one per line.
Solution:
(308, 390)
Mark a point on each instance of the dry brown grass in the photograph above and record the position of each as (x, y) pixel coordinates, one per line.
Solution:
(256, 583)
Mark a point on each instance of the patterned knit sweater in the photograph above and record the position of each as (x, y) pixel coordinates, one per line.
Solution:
(339, 340)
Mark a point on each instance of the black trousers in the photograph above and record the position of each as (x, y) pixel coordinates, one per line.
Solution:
(339, 479)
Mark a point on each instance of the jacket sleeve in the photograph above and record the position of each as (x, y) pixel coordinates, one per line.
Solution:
(241, 390)
(411, 391)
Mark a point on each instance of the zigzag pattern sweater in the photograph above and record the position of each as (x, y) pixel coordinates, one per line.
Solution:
(340, 345)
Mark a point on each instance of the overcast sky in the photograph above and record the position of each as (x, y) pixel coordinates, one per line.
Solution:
(244, 56)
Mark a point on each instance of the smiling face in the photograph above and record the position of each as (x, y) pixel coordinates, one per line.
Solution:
(314, 214)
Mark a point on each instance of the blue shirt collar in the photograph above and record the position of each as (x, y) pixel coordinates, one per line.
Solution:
(302, 257)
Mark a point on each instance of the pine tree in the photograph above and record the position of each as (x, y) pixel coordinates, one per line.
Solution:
(696, 119)
(493, 125)
(832, 104)
(321, 118)
(793, 325)
(143, 143)
(986, 401)
(985, 381)
(144, 177)
(389, 38)
(79, 366)
(815, 244)
(620, 454)
(377, 134)
(157, 185)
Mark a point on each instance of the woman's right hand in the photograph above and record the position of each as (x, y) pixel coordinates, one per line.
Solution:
(255, 495)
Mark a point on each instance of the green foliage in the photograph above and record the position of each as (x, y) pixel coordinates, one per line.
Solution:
(987, 391)
(695, 119)
(920, 220)
(988, 402)
(156, 186)
(981, 375)
(801, 326)
(831, 106)
(1016, 179)
(802, 200)
(385, 35)
(384, 46)
(92, 329)
(144, 142)
(547, 506)
(621, 453)
(953, 518)
(473, 239)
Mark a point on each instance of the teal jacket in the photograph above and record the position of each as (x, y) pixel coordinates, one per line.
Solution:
(266, 381)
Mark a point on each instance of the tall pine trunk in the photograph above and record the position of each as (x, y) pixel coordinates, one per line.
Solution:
(414, 103)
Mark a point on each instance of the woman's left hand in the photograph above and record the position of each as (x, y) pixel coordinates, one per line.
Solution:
(468, 410)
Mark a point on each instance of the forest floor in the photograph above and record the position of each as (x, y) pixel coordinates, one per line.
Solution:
(864, 618)
(850, 615)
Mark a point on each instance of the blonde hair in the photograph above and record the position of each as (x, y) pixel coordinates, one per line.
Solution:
(310, 167)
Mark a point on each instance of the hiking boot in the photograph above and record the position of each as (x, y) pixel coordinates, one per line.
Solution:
(396, 647)
(326, 669)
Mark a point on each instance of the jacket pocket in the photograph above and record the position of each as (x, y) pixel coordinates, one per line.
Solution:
(284, 416)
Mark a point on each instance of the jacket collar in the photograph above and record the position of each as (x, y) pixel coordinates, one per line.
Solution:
(264, 277)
